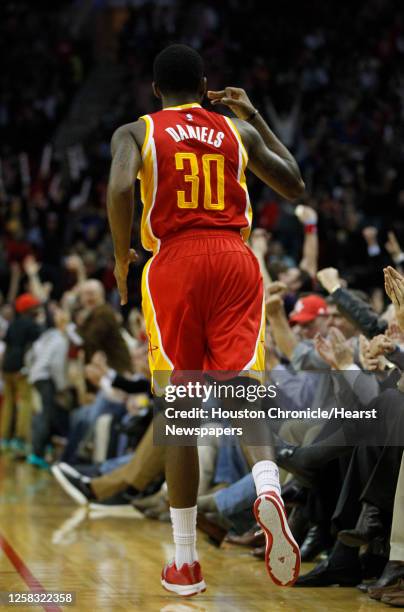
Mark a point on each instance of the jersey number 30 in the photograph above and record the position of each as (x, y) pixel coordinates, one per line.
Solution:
(193, 178)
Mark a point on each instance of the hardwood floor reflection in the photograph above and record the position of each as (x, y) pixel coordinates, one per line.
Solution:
(113, 564)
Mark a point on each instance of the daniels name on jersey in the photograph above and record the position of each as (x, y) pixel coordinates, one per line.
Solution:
(203, 134)
(192, 174)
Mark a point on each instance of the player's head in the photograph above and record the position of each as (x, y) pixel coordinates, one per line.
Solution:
(178, 71)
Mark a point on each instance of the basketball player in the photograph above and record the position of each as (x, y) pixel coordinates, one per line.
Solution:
(202, 290)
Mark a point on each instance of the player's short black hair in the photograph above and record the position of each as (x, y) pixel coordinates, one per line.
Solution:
(178, 68)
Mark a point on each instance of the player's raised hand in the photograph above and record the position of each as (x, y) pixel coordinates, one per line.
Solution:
(121, 274)
(235, 98)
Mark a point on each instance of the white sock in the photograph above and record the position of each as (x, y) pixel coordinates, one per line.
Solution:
(183, 521)
(266, 477)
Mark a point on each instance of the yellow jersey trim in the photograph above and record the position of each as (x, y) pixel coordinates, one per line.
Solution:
(145, 144)
(238, 136)
(181, 106)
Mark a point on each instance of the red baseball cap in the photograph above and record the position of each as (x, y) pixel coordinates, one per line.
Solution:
(26, 301)
(307, 309)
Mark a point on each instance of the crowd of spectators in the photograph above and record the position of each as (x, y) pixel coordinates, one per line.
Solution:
(336, 101)
(75, 378)
(77, 393)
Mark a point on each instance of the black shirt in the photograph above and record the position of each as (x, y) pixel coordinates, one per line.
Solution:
(22, 332)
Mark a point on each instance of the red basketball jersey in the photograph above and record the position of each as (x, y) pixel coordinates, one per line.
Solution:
(192, 174)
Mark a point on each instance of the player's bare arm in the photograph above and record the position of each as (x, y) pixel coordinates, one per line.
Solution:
(269, 159)
(126, 145)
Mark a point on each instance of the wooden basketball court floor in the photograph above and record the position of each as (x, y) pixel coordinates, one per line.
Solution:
(113, 564)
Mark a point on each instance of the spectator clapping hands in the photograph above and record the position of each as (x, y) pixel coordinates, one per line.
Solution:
(394, 286)
(380, 345)
(371, 357)
(335, 349)
(395, 333)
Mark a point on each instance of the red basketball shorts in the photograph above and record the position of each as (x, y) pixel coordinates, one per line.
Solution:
(202, 297)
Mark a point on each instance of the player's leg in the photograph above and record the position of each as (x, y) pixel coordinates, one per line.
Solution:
(282, 554)
(170, 326)
(183, 576)
(236, 343)
(257, 442)
(182, 477)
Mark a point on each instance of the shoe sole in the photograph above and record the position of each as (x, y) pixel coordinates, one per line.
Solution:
(282, 554)
(67, 486)
(184, 590)
(68, 469)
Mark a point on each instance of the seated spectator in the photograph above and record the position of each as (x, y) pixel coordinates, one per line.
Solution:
(98, 331)
(47, 371)
(18, 396)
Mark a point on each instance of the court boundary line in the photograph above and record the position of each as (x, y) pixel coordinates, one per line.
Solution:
(24, 572)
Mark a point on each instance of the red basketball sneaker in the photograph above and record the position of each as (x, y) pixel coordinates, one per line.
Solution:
(185, 581)
(282, 554)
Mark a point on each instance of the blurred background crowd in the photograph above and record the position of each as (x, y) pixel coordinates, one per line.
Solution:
(75, 380)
